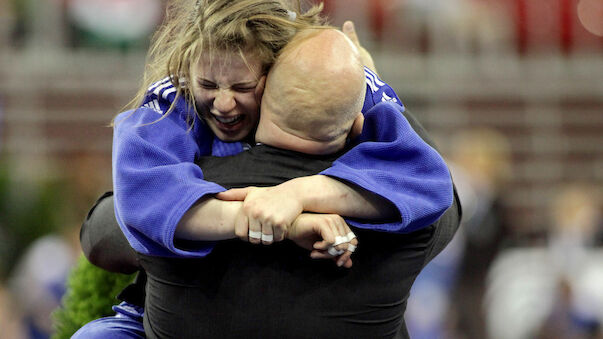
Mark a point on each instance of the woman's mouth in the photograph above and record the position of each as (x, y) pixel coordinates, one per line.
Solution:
(228, 122)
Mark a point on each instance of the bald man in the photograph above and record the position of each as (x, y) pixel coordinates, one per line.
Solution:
(313, 97)
(314, 93)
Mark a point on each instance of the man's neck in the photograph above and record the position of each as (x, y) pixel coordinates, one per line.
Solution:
(271, 134)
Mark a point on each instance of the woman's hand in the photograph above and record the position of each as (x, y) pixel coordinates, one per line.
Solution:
(326, 236)
(267, 212)
(350, 31)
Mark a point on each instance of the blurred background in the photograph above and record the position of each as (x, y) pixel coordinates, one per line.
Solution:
(511, 90)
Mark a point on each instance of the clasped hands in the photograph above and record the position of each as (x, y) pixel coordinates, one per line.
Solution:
(272, 214)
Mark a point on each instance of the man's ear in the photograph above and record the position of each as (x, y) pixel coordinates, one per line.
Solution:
(356, 127)
(259, 89)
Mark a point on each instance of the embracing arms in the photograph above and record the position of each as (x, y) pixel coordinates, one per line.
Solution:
(392, 181)
(105, 245)
(156, 180)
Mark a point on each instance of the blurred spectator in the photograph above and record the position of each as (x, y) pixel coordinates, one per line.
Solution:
(9, 317)
(429, 312)
(575, 225)
(565, 319)
(553, 291)
(89, 23)
(463, 26)
(38, 281)
(481, 167)
(527, 298)
(480, 164)
(119, 23)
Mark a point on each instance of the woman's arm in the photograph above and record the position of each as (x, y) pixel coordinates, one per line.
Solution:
(213, 219)
(154, 175)
(271, 210)
(105, 245)
(209, 219)
(395, 160)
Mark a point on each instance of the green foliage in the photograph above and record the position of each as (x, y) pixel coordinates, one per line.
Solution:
(90, 294)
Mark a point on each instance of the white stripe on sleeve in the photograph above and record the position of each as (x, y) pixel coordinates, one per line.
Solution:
(157, 83)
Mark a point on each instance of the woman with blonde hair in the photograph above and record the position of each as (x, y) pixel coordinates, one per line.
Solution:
(213, 56)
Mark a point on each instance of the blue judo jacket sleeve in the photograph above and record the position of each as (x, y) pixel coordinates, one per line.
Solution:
(392, 161)
(155, 179)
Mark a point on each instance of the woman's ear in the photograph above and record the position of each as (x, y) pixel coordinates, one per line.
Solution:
(259, 89)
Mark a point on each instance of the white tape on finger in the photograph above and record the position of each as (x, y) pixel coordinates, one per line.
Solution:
(350, 236)
(340, 240)
(351, 248)
(334, 252)
(267, 237)
(255, 234)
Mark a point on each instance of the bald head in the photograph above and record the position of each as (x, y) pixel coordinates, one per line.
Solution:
(315, 90)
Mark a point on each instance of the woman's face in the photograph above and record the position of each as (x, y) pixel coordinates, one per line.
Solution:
(228, 92)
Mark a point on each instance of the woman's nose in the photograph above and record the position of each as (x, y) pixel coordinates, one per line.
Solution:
(224, 101)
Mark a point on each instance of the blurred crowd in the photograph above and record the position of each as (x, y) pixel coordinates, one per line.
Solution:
(489, 282)
(495, 280)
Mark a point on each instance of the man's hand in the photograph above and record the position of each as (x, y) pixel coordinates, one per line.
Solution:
(326, 236)
(366, 58)
(267, 212)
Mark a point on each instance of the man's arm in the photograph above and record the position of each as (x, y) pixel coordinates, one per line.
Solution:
(103, 242)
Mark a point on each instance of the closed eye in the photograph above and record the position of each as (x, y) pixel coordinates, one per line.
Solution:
(245, 88)
(207, 84)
